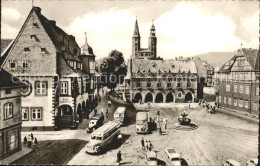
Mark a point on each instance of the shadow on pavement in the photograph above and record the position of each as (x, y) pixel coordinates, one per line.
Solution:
(188, 127)
(183, 162)
(116, 144)
(160, 162)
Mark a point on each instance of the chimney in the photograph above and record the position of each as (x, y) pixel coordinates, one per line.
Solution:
(37, 9)
(53, 22)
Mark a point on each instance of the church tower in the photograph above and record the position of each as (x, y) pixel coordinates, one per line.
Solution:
(135, 41)
(152, 42)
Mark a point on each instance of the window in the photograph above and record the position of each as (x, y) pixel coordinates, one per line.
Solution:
(26, 49)
(8, 91)
(229, 101)
(8, 110)
(25, 64)
(246, 103)
(178, 82)
(235, 102)
(12, 64)
(169, 84)
(25, 113)
(219, 99)
(40, 88)
(36, 114)
(225, 99)
(78, 65)
(35, 24)
(240, 103)
(255, 106)
(71, 63)
(247, 89)
(138, 84)
(188, 83)
(228, 88)
(159, 84)
(148, 84)
(257, 90)
(241, 89)
(179, 94)
(235, 88)
(64, 88)
(43, 50)
(33, 37)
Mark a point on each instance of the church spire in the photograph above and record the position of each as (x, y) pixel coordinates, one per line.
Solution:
(86, 41)
(136, 31)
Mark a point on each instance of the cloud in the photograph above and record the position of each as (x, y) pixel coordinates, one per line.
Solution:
(105, 31)
(10, 15)
(186, 30)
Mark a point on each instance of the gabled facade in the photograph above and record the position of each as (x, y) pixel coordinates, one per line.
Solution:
(49, 60)
(10, 114)
(238, 82)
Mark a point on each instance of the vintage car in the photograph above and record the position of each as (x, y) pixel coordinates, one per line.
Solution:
(231, 162)
(151, 158)
(252, 162)
(95, 122)
(172, 157)
(142, 126)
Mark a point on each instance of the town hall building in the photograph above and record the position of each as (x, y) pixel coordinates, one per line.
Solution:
(151, 79)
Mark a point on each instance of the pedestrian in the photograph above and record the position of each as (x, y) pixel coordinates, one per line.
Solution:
(147, 145)
(32, 136)
(158, 119)
(95, 111)
(99, 99)
(149, 104)
(158, 112)
(150, 146)
(29, 139)
(119, 157)
(24, 141)
(107, 114)
(142, 142)
(160, 130)
(35, 143)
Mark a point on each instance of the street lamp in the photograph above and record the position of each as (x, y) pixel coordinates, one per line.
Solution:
(74, 94)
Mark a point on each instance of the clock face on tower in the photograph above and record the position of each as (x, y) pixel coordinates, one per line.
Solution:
(26, 89)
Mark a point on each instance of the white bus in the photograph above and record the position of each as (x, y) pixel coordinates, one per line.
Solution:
(119, 115)
(103, 137)
(142, 122)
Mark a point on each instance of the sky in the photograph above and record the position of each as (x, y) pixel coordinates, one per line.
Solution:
(183, 28)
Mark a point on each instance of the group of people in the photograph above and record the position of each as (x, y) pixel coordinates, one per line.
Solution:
(146, 145)
(159, 125)
(209, 108)
(30, 141)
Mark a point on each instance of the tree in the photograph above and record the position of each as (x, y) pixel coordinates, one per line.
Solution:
(114, 68)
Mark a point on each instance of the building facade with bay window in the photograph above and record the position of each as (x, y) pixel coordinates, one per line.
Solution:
(238, 82)
(57, 72)
(10, 114)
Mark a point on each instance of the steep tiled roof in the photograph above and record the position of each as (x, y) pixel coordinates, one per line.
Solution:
(7, 80)
(163, 65)
(251, 55)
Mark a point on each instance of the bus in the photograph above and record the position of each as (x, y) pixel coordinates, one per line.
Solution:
(119, 115)
(142, 123)
(103, 137)
(95, 122)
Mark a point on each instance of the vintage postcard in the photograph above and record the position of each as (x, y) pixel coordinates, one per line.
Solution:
(129, 82)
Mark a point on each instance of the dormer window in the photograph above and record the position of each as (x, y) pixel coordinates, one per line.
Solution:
(33, 37)
(71, 63)
(43, 50)
(78, 65)
(26, 49)
(75, 65)
(35, 24)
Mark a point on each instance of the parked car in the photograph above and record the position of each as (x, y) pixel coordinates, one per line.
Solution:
(252, 162)
(151, 158)
(231, 162)
(172, 157)
(142, 123)
(95, 122)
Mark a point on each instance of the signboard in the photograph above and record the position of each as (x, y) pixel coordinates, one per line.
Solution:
(65, 101)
